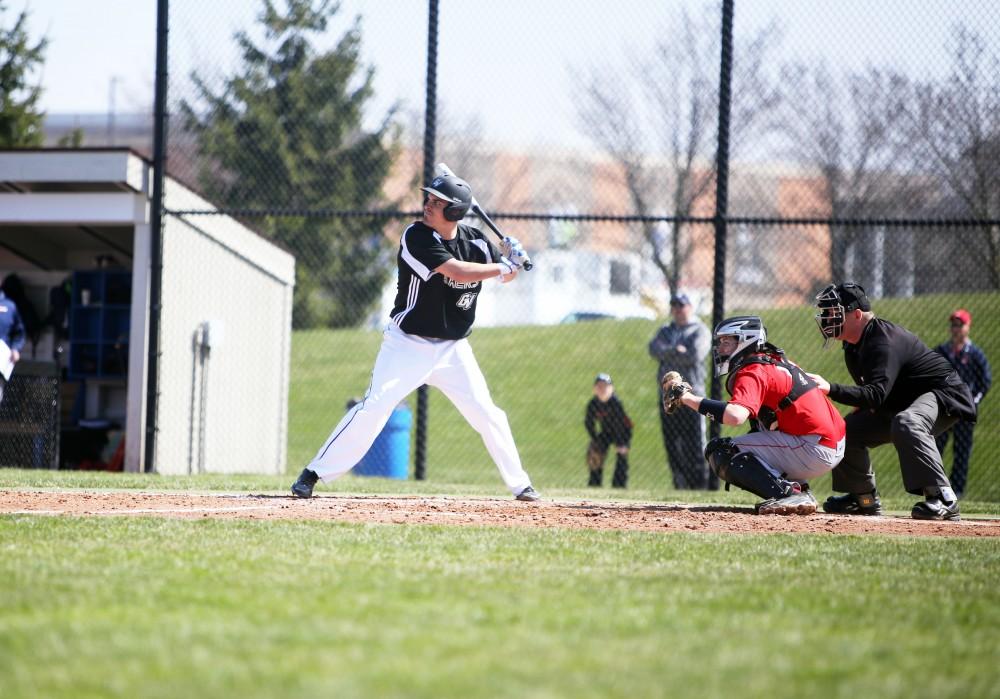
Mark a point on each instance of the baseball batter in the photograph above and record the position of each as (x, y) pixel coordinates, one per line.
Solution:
(442, 265)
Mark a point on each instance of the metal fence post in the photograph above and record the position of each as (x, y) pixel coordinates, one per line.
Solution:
(430, 134)
(722, 189)
(156, 231)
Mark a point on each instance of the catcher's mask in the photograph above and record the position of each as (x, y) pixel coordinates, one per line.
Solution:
(743, 335)
(453, 190)
(834, 303)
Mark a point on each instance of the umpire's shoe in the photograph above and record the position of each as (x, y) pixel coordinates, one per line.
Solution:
(854, 504)
(303, 487)
(935, 508)
(528, 495)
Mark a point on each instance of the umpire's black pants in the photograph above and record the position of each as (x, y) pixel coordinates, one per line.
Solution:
(911, 431)
(961, 451)
(684, 441)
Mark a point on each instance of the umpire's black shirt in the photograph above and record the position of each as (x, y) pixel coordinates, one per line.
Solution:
(892, 367)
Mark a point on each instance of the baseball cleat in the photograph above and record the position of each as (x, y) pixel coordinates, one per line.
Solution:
(854, 504)
(935, 508)
(799, 502)
(528, 495)
(303, 487)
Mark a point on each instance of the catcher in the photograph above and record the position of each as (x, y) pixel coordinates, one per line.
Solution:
(606, 410)
(797, 434)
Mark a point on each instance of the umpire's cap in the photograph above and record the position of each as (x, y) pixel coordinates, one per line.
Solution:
(852, 296)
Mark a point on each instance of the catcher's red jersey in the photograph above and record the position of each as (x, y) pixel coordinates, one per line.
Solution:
(813, 413)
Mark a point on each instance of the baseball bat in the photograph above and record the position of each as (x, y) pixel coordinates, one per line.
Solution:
(443, 169)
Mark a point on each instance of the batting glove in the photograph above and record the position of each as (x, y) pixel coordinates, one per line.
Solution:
(514, 251)
(507, 267)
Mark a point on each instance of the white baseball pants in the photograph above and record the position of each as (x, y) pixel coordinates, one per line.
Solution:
(404, 363)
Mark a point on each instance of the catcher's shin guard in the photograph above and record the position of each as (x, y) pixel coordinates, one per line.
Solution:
(748, 472)
(719, 452)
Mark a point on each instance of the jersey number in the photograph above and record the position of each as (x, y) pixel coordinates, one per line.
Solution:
(465, 301)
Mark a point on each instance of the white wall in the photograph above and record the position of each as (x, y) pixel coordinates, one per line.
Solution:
(208, 277)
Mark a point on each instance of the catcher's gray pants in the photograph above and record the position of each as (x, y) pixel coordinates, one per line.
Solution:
(796, 457)
(911, 431)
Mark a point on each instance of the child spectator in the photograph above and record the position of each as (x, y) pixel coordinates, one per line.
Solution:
(607, 412)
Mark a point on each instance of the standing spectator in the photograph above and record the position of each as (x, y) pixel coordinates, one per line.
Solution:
(971, 364)
(12, 336)
(905, 393)
(682, 346)
(604, 410)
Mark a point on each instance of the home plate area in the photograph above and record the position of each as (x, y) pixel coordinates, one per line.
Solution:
(469, 511)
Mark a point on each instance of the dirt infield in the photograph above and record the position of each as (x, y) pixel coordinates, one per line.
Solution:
(459, 511)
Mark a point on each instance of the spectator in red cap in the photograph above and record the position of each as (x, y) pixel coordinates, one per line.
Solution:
(971, 364)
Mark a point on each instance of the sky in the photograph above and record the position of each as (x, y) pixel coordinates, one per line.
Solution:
(507, 64)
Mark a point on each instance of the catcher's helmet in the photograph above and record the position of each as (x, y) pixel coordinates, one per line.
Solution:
(834, 303)
(453, 190)
(751, 336)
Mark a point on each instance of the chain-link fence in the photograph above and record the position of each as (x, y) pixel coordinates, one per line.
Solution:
(863, 143)
(29, 416)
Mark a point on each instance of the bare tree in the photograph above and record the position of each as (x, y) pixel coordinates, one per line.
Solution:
(461, 144)
(956, 121)
(845, 129)
(657, 121)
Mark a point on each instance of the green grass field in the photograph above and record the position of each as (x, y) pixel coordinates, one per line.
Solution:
(149, 607)
(130, 607)
(542, 378)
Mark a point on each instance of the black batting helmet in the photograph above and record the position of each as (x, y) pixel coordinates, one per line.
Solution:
(453, 190)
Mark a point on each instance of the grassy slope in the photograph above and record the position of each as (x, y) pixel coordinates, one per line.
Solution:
(541, 376)
(126, 607)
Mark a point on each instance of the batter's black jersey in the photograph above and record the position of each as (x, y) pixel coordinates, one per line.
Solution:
(892, 367)
(429, 304)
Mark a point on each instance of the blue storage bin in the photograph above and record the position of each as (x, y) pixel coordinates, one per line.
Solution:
(389, 455)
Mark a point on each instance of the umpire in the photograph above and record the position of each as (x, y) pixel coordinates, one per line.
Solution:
(905, 393)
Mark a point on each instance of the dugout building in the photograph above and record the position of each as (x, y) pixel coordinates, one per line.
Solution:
(75, 244)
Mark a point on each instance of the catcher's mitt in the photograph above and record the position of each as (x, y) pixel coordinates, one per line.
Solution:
(674, 387)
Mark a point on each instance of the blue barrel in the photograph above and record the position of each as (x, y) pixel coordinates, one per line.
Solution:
(389, 455)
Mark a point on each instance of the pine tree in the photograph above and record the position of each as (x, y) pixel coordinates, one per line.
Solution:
(20, 119)
(286, 132)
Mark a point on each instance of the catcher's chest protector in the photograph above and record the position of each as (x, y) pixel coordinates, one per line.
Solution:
(801, 383)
